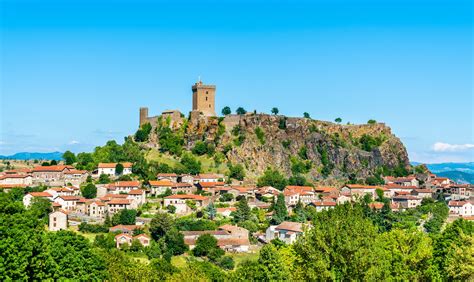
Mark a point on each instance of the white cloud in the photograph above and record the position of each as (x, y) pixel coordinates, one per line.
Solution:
(74, 142)
(445, 147)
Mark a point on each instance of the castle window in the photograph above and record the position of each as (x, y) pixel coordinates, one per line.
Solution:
(206, 98)
(207, 92)
(209, 105)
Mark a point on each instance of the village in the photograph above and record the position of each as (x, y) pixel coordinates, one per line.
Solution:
(82, 199)
(209, 194)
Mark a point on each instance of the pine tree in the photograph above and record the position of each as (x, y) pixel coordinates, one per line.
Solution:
(243, 211)
(280, 212)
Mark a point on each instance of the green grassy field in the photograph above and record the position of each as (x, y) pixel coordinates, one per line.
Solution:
(207, 162)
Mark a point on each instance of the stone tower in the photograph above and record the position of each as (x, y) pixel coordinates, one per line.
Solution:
(143, 115)
(204, 99)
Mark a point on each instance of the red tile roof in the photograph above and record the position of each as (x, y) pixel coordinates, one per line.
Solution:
(10, 186)
(127, 184)
(55, 168)
(162, 183)
(187, 197)
(211, 184)
(291, 226)
(40, 194)
(116, 201)
(358, 186)
(136, 192)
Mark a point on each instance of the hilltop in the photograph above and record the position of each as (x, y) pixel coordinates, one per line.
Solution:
(320, 151)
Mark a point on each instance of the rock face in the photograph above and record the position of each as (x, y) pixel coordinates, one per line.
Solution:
(327, 151)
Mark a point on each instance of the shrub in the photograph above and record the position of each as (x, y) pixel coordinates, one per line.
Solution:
(260, 135)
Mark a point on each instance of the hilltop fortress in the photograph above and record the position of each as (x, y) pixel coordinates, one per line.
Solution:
(203, 104)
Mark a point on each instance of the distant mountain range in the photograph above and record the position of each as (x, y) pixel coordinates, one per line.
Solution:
(34, 156)
(459, 172)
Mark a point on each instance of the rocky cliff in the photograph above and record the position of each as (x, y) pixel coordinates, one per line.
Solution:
(318, 150)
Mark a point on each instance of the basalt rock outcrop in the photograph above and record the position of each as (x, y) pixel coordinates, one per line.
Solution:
(325, 150)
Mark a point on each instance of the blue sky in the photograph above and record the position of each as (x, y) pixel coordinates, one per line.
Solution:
(74, 73)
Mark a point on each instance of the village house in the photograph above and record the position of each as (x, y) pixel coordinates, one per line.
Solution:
(359, 191)
(211, 187)
(60, 191)
(407, 201)
(58, 220)
(442, 181)
(28, 198)
(118, 204)
(173, 177)
(230, 238)
(209, 177)
(109, 169)
(123, 187)
(267, 193)
(122, 239)
(323, 205)
(343, 198)
(460, 192)
(402, 181)
(247, 192)
(287, 231)
(180, 202)
(376, 205)
(225, 212)
(126, 229)
(16, 179)
(186, 178)
(75, 177)
(183, 188)
(68, 203)
(159, 187)
(295, 194)
(138, 196)
(461, 208)
(50, 175)
(396, 189)
(96, 209)
(422, 193)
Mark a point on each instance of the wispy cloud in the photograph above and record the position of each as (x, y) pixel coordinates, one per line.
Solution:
(74, 142)
(445, 147)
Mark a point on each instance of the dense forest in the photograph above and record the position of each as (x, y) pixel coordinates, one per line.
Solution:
(351, 241)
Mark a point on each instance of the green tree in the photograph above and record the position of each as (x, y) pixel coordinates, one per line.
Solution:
(236, 171)
(337, 245)
(160, 225)
(104, 179)
(125, 217)
(306, 115)
(275, 111)
(401, 255)
(271, 265)
(200, 148)
(241, 111)
(280, 213)
(211, 211)
(191, 164)
(89, 191)
(175, 242)
(338, 120)
(226, 111)
(69, 158)
(119, 169)
(242, 212)
(205, 244)
(372, 121)
(272, 178)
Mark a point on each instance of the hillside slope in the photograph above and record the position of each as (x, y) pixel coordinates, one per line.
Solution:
(318, 150)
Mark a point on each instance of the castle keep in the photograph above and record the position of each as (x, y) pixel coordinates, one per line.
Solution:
(203, 98)
(203, 104)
